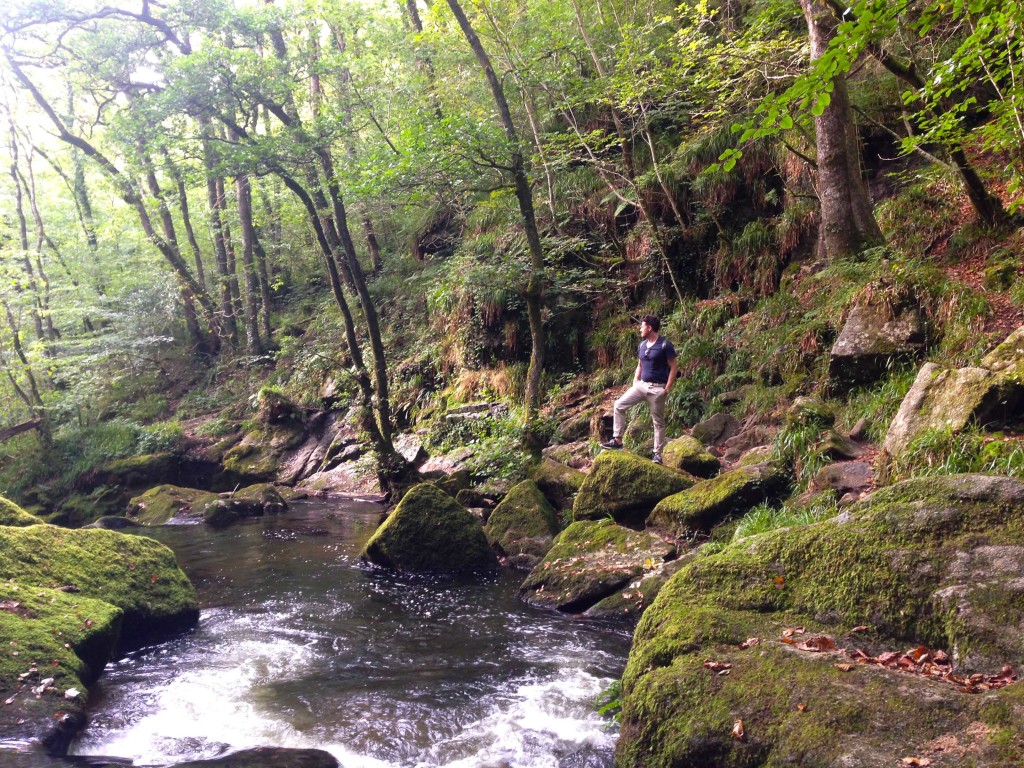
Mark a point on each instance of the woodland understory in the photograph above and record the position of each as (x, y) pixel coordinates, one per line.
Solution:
(397, 209)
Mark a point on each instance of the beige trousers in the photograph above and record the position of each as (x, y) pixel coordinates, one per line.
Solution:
(654, 394)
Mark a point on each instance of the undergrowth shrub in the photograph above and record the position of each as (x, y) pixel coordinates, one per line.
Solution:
(495, 439)
(765, 517)
(944, 452)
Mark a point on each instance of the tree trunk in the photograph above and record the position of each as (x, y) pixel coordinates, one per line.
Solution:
(251, 311)
(215, 204)
(25, 259)
(198, 340)
(847, 223)
(534, 294)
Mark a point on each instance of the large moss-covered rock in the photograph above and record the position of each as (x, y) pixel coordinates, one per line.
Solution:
(930, 562)
(252, 501)
(689, 454)
(558, 482)
(12, 514)
(71, 600)
(709, 502)
(942, 398)
(630, 602)
(164, 503)
(590, 561)
(134, 573)
(430, 532)
(625, 487)
(523, 525)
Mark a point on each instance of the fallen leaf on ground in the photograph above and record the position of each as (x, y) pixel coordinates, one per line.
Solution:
(737, 730)
(916, 761)
(817, 644)
(750, 642)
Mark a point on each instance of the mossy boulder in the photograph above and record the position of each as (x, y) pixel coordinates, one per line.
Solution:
(590, 561)
(160, 505)
(630, 602)
(523, 525)
(252, 501)
(689, 454)
(559, 483)
(951, 399)
(625, 487)
(1008, 357)
(709, 502)
(932, 562)
(430, 532)
(71, 600)
(12, 514)
(132, 472)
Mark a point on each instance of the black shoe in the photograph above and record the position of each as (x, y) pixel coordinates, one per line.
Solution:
(612, 445)
(656, 458)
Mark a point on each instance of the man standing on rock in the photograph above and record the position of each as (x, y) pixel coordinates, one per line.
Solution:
(656, 370)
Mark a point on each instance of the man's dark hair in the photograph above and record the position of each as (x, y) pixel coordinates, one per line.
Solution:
(652, 320)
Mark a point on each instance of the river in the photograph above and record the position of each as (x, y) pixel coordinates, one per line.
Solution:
(300, 644)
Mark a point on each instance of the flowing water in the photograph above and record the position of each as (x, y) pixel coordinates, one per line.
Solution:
(301, 645)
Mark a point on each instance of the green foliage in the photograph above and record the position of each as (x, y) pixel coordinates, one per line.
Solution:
(609, 702)
(943, 452)
(765, 517)
(496, 441)
(878, 404)
(799, 446)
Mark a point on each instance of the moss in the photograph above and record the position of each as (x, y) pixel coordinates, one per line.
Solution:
(591, 560)
(622, 486)
(630, 602)
(133, 573)
(709, 502)
(134, 471)
(71, 600)
(12, 514)
(523, 524)
(556, 481)
(53, 642)
(429, 531)
(248, 460)
(883, 563)
(163, 503)
(689, 454)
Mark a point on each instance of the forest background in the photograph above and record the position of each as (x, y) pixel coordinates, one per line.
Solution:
(399, 208)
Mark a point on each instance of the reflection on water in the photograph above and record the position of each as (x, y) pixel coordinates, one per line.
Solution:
(301, 645)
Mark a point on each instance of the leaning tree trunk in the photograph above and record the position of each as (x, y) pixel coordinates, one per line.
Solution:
(524, 196)
(847, 223)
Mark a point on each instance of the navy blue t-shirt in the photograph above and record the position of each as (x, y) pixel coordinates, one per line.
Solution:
(654, 360)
